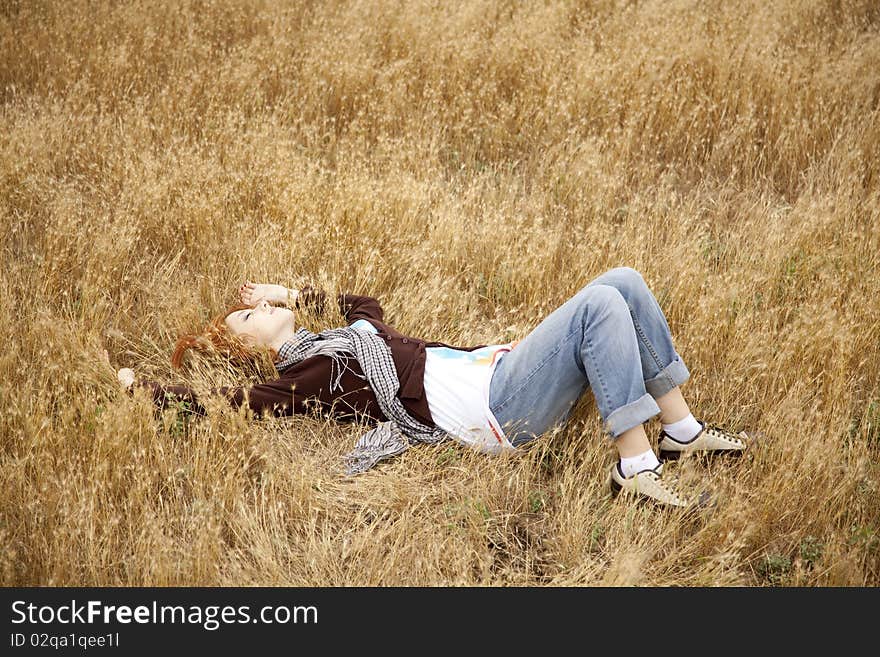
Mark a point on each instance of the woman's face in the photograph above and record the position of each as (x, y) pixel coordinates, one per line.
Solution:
(263, 325)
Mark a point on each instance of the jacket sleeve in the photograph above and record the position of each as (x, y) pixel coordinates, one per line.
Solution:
(271, 398)
(352, 306)
(310, 298)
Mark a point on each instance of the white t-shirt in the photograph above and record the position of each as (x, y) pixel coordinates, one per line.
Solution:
(457, 390)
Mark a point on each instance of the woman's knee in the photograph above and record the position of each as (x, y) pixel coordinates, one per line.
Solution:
(603, 298)
(630, 277)
(627, 280)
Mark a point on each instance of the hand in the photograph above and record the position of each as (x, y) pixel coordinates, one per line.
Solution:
(126, 377)
(252, 293)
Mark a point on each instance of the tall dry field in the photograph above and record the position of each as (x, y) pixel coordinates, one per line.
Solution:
(472, 165)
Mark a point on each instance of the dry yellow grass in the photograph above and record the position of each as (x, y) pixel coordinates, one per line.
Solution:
(472, 165)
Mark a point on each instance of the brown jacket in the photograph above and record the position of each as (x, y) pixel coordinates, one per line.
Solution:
(303, 386)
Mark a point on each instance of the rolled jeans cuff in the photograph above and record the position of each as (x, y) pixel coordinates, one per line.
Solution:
(671, 376)
(631, 415)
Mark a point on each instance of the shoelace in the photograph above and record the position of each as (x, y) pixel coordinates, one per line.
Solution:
(718, 432)
(669, 483)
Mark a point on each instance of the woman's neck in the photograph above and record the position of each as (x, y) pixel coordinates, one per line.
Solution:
(284, 336)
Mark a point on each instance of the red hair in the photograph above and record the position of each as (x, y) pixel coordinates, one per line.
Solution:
(216, 338)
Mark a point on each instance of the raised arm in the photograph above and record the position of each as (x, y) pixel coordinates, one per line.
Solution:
(352, 306)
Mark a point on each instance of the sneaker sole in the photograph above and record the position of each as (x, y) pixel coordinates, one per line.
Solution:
(668, 455)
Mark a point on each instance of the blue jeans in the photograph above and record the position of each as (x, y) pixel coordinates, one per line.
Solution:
(612, 337)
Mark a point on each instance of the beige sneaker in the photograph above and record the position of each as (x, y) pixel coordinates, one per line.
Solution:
(649, 483)
(710, 439)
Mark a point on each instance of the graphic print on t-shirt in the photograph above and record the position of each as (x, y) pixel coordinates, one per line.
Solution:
(476, 357)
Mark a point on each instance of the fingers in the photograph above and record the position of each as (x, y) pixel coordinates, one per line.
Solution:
(246, 293)
(253, 293)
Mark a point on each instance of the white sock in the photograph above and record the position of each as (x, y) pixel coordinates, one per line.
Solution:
(632, 464)
(684, 430)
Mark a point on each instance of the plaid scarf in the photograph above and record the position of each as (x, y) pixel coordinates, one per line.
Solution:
(388, 438)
